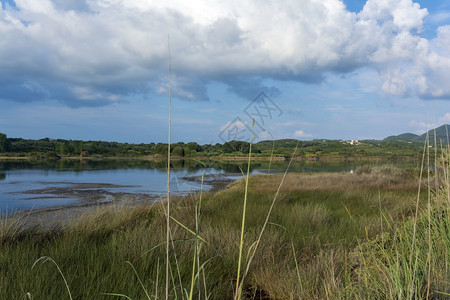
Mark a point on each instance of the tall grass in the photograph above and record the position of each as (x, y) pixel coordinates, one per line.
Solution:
(244, 207)
(389, 271)
(413, 261)
(11, 227)
(308, 225)
(168, 177)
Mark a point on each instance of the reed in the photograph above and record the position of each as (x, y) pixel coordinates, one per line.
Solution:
(310, 248)
(168, 177)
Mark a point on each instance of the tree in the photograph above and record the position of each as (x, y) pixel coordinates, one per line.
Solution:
(77, 147)
(178, 151)
(4, 145)
(236, 146)
(194, 146)
(60, 148)
(161, 148)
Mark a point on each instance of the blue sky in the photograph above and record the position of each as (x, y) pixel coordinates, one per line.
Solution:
(98, 69)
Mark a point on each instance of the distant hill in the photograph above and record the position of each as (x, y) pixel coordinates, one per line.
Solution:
(441, 135)
(410, 137)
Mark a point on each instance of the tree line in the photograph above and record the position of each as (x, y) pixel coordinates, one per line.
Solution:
(77, 147)
(285, 147)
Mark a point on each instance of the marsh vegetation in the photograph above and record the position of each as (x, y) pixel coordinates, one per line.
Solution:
(344, 236)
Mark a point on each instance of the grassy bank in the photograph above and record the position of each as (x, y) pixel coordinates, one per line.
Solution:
(329, 236)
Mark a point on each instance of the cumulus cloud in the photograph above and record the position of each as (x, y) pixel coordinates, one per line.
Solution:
(301, 134)
(96, 52)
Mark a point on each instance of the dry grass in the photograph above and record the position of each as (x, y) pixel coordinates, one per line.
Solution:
(316, 228)
(378, 178)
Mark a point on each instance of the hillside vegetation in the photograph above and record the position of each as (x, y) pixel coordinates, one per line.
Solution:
(315, 149)
(442, 134)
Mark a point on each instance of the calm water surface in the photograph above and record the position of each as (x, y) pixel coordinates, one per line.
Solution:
(20, 179)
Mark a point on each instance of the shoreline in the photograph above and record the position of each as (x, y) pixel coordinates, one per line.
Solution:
(216, 158)
(90, 196)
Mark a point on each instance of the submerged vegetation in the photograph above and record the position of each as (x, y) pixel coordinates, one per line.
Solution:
(368, 235)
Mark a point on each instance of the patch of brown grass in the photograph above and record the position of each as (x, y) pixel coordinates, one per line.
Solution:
(380, 178)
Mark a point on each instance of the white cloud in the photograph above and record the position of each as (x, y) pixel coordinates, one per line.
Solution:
(402, 15)
(420, 127)
(445, 119)
(443, 37)
(302, 134)
(236, 124)
(87, 94)
(120, 47)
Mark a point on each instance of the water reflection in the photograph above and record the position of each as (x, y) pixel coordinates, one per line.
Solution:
(195, 165)
(18, 179)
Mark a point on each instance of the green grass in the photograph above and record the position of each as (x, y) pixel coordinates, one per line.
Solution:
(325, 219)
(395, 267)
(411, 261)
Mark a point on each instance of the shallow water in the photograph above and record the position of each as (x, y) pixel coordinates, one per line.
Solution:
(28, 185)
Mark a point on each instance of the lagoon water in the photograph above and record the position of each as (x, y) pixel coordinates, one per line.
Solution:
(19, 180)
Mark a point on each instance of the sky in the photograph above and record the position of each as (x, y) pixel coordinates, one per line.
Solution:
(309, 69)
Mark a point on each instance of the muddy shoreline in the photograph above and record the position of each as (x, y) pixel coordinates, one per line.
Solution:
(90, 196)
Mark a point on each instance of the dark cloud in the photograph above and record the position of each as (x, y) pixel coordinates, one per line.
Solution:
(185, 88)
(249, 87)
(31, 90)
(58, 51)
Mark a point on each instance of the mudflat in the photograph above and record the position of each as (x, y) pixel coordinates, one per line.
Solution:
(89, 196)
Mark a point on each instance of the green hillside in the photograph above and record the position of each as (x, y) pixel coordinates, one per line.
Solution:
(403, 137)
(441, 135)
